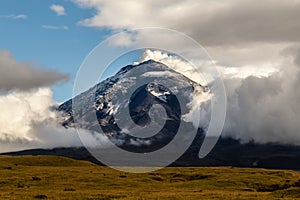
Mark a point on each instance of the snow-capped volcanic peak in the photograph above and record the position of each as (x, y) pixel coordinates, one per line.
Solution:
(137, 88)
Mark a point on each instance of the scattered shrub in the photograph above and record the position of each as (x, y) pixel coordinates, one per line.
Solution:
(69, 189)
(272, 187)
(7, 167)
(157, 178)
(36, 178)
(20, 185)
(41, 196)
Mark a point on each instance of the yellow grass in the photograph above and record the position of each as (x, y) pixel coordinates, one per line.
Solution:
(50, 177)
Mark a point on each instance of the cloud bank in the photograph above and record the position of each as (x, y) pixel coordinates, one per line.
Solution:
(262, 107)
(210, 22)
(235, 33)
(266, 109)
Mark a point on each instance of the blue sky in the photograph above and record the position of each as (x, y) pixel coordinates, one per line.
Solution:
(34, 38)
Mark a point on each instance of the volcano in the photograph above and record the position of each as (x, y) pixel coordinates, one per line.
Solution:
(140, 108)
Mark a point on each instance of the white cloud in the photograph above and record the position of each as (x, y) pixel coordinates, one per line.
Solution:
(263, 103)
(124, 39)
(247, 70)
(27, 121)
(58, 9)
(14, 16)
(174, 63)
(55, 27)
(210, 22)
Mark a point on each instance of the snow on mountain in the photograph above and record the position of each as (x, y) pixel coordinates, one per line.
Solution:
(156, 97)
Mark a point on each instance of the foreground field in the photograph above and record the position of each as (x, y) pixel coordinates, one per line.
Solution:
(49, 177)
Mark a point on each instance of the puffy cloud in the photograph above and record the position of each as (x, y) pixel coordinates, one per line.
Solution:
(16, 75)
(58, 9)
(28, 120)
(23, 113)
(266, 109)
(192, 72)
(175, 63)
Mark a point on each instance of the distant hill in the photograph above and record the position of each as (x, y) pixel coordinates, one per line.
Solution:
(227, 152)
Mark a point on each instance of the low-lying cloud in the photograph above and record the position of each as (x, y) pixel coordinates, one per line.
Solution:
(262, 107)
(28, 120)
(266, 109)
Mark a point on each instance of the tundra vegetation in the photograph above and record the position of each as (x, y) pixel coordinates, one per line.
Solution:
(52, 177)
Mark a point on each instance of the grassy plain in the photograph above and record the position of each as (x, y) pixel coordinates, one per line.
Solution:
(50, 177)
